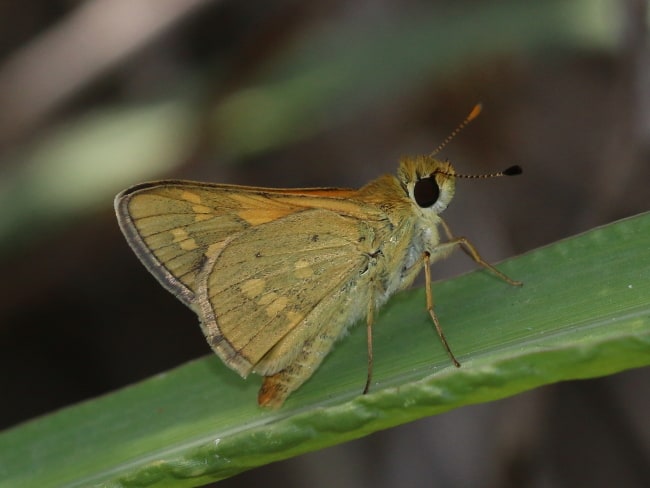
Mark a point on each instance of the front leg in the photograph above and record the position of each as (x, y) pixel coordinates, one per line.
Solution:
(468, 248)
(441, 251)
(409, 275)
(432, 313)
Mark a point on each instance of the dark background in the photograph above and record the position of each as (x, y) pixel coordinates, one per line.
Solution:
(97, 95)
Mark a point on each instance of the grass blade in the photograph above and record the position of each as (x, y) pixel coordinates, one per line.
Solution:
(584, 312)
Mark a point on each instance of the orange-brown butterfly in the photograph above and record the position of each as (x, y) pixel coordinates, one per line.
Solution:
(276, 276)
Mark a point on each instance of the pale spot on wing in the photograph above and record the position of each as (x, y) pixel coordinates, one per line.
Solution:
(189, 245)
(256, 217)
(201, 209)
(303, 269)
(267, 298)
(183, 239)
(179, 234)
(191, 197)
(253, 287)
(277, 306)
(201, 212)
(293, 316)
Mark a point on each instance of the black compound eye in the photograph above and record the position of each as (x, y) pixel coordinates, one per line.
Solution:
(426, 192)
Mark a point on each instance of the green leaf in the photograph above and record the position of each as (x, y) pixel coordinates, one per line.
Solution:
(584, 312)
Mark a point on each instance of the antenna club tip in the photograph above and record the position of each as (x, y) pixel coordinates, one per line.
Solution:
(513, 170)
(475, 112)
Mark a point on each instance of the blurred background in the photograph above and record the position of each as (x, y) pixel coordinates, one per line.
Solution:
(97, 95)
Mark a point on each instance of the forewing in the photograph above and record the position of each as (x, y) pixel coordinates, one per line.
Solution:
(174, 226)
(267, 280)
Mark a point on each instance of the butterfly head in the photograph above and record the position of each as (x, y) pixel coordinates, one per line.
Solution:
(429, 183)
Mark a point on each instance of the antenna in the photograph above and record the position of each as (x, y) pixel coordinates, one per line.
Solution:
(511, 171)
(472, 115)
(476, 111)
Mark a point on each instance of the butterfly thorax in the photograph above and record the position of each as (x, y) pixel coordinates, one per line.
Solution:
(411, 225)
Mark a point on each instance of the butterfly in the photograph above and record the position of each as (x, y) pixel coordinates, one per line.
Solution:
(276, 276)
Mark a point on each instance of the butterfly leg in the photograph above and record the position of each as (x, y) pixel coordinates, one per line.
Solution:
(369, 323)
(409, 275)
(432, 313)
(469, 249)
